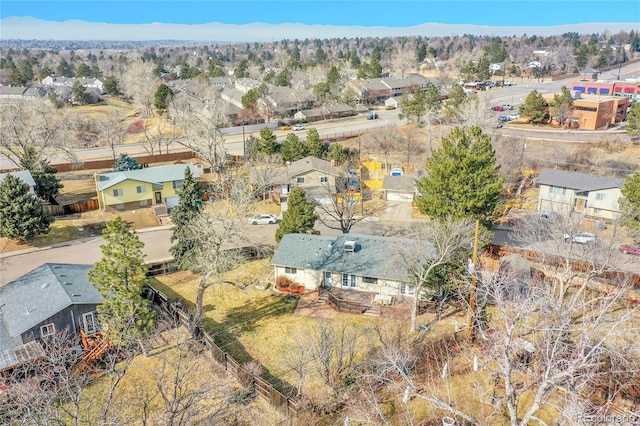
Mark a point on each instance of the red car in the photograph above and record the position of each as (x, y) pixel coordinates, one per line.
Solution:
(498, 108)
(631, 249)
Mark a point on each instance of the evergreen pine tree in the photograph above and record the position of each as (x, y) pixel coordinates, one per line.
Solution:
(124, 163)
(120, 277)
(188, 207)
(313, 144)
(300, 216)
(267, 142)
(633, 121)
(463, 179)
(47, 184)
(631, 205)
(292, 148)
(534, 107)
(22, 216)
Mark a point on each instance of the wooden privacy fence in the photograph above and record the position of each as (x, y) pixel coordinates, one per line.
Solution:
(79, 207)
(248, 380)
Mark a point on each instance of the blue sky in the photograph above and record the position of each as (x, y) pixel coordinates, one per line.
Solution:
(343, 13)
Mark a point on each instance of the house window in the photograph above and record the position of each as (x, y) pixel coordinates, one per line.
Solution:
(300, 179)
(558, 190)
(47, 330)
(144, 203)
(89, 322)
(597, 212)
(324, 179)
(177, 184)
(118, 192)
(407, 290)
(288, 270)
(601, 197)
(141, 189)
(119, 206)
(369, 280)
(349, 281)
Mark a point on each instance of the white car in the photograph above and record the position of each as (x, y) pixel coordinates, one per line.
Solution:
(297, 127)
(263, 219)
(513, 116)
(580, 238)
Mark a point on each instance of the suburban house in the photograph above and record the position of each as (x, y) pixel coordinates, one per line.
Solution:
(50, 299)
(20, 92)
(565, 192)
(25, 176)
(88, 82)
(348, 261)
(317, 177)
(145, 187)
(399, 188)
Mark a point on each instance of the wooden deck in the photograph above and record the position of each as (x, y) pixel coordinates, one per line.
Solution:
(364, 303)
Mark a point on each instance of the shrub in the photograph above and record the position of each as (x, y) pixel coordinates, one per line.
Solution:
(135, 127)
(283, 282)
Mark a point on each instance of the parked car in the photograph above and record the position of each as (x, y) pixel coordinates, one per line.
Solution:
(509, 83)
(263, 219)
(285, 127)
(631, 249)
(507, 107)
(298, 127)
(503, 118)
(372, 116)
(498, 108)
(513, 116)
(580, 238)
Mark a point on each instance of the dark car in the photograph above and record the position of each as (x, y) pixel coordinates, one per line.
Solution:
(372, 116)
(498, 108)
(631, 249)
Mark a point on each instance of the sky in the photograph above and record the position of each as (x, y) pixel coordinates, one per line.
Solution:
(369, 14)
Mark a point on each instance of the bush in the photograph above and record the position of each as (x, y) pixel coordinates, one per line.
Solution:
(135, 127)
(284, 282)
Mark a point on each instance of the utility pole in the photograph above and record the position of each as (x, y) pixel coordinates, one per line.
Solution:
(472, 297)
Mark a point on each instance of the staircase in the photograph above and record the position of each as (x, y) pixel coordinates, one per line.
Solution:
(373, 311)
(323, 296)
(91, 357)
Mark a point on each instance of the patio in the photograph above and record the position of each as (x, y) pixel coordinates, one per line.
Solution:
(368, 303)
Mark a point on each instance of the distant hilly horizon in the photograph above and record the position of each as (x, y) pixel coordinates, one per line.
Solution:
(28, 28)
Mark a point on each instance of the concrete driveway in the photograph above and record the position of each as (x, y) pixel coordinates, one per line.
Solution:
(397, 211)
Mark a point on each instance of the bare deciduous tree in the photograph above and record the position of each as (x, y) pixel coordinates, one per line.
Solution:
(113, 130)
(201, 123)
(140, 83)
(435, 245)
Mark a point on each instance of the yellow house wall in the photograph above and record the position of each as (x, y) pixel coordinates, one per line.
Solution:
(130, 193)
(312, 179)
(311, 279)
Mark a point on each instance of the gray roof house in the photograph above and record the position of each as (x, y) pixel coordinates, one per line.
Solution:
(25, 176)
(399, 188)
(51, 298)
(565, 193)
(350, 261)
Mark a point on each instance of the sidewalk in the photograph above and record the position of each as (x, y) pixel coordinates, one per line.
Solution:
(74, 242)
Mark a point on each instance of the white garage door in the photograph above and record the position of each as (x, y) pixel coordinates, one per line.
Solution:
(172, 201)
(399, 196)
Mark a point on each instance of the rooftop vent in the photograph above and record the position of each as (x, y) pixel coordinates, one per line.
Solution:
(350, 246)
(45, 285)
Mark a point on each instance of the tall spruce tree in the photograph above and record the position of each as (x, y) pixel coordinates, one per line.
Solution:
(267, 142)
(188, 207)
(124, 163)
(293, 148)
(313, 144)
(22, 215)
(300, 216)
(534, 107)
(633, 122)
(47, 184)
(463, 179)
(631, 205)
(120, 277)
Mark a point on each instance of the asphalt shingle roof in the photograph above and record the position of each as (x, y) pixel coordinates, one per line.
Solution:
(578, 181)
(23, 175)
(157, 175)
(311, 163)
(40, 294)
(399, 183)
(375, 256)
